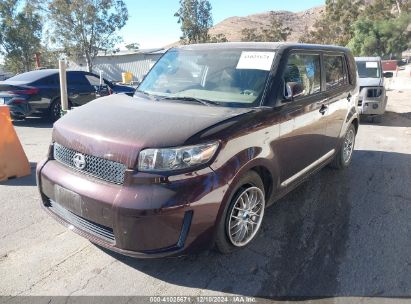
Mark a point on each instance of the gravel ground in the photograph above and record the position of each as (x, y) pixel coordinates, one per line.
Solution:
(342, 236)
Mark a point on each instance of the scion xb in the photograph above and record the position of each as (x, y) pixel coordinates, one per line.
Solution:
(214, 134)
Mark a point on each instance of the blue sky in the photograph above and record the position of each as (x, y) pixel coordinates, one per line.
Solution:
(152, 23)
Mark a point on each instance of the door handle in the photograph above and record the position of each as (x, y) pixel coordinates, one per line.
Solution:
(323, 109)
(349, 97)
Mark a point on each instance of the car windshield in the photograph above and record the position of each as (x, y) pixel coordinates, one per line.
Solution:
(368, 69)
(228, 77)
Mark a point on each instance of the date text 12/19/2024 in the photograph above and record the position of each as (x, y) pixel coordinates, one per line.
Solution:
(203, 299)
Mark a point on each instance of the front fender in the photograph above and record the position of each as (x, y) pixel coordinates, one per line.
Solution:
(231, 171)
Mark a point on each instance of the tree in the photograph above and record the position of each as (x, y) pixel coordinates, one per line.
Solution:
(384, 37)
(49, 58)
(132, 46)
(86, 27)
(195, 19)
(385, 9)
(274, 31)
(20, 35)
(251, 34)
(334, 27)
(217, 38)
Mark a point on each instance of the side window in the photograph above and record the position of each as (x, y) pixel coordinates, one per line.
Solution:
(93, 80)
(74, 78)
(302, 75)
(335, 73)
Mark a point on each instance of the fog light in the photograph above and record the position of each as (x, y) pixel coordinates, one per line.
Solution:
(375, 106)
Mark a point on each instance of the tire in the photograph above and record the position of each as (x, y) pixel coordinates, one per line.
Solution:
(55, 110)
(251, 219)
(344, 156)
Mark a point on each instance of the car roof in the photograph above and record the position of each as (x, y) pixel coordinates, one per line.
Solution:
(33, 75)
(28, 77)
(262, 45)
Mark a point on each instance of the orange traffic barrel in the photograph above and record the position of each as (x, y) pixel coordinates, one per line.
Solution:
(13, 160)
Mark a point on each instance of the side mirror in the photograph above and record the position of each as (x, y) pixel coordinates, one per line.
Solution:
(101, 90)
(292, 90)
(388, 74)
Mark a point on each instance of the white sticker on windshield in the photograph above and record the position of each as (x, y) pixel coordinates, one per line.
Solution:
(371, 65)
(256, 60)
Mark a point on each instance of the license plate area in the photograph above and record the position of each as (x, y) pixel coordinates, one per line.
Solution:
(69, 200)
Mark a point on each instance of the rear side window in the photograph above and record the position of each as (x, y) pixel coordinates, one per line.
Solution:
(302, 75)
(335, 71)
(49, 81)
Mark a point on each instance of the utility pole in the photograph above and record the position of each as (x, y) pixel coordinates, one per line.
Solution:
(63, 87)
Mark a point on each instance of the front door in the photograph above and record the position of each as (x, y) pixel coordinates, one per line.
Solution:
(301, 144)
(79, 89)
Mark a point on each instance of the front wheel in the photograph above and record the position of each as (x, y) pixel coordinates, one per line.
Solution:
(242, 218)
(344, 155)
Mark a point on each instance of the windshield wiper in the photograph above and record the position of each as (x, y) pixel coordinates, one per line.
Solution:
(186, 98)
(143, 92)
(150, 96)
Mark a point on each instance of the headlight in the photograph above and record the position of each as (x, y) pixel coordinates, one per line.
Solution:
(171, 159)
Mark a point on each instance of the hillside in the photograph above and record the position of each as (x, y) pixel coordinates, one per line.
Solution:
(232, 26)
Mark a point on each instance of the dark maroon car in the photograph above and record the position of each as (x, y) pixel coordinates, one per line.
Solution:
(214, 134)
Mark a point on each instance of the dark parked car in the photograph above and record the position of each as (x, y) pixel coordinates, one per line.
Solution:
(214, 134)
(38, 92)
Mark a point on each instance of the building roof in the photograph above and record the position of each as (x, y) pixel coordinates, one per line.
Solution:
(133, 52)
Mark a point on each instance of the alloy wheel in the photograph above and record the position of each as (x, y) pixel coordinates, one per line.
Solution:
(348, 145)
(246, 216)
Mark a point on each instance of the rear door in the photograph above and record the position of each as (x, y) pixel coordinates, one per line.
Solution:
(339, 95)
(49, 88)
(302, 130)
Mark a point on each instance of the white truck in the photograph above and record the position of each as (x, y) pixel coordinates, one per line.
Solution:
(372, 99)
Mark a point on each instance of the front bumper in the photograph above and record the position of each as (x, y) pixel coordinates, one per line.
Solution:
(143, 218)
(372, 101)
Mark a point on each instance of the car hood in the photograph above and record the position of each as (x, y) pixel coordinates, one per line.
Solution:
(117, 127)
(370, 82)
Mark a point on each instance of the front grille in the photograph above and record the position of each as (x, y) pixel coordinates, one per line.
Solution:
(373, 93)
(102, 232)
(100, 168)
